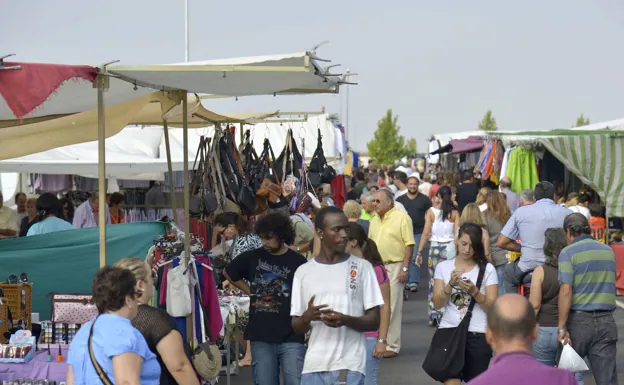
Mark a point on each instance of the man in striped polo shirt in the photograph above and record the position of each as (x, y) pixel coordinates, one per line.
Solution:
(587, 299)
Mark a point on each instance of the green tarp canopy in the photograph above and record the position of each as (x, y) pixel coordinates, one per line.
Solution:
(66, 262)
(595, 157)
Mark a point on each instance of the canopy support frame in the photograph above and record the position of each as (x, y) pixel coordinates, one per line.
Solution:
(102, 84)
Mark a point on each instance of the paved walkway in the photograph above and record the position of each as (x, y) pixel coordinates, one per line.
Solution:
(406, 368)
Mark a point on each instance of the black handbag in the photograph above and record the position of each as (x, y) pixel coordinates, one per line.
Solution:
(319, 171)
(447, 352)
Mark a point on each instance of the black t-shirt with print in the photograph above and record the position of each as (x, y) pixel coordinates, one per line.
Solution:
(271, 278)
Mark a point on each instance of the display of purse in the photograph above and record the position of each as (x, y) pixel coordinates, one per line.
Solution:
(289, 161)
(72, 308)
(447, 352)
(319, 171)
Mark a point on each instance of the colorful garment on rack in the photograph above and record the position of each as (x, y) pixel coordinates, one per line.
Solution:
(522, 170)
(338, 191)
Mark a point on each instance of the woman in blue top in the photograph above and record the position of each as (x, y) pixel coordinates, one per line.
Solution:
(49, 213)
(119, 350)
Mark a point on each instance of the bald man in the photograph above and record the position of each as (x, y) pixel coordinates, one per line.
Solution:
(512, 328)
(513, 200)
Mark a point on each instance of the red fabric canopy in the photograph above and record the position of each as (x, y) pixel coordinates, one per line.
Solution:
(470, 144)
(27, 88)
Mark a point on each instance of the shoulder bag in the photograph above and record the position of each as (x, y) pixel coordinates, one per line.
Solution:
(447, 352)
(98, 369)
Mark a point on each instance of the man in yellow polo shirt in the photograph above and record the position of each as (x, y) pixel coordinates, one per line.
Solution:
(392, 231)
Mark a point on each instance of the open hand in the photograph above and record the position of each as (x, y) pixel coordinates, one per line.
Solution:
(314, 313)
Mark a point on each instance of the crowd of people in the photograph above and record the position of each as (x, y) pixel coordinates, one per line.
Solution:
(47, 214)
(327, 289)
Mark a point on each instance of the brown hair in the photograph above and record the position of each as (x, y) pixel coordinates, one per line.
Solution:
(497, 207)
(111, 286)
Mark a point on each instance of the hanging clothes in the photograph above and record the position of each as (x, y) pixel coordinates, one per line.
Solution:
(348, 168)
(178, 295)
(522, 170)
(53, 183)
(503, 172)
(338, 191)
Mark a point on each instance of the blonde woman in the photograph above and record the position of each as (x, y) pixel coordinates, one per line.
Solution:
(353, 211)
(496, 216)
(472, 214)
(159, 329)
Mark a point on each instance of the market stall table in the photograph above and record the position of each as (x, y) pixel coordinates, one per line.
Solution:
(37, 369)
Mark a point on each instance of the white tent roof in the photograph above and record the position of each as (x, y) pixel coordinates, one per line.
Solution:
(139, 152)
(259, 75)
(262, 75)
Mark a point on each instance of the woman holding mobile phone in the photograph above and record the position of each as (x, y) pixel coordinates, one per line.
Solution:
(454, 288)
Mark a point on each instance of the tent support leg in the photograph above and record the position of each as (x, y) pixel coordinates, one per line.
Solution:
(187, 221)
(170, 170)
(102, 85)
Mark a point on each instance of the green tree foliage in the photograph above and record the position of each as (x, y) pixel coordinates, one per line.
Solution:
(488, 123)
(387, 144)
(582, 121)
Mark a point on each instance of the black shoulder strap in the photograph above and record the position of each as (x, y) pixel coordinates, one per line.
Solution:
(100, 372)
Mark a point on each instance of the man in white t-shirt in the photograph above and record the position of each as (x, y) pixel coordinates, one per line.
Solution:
(337, 297)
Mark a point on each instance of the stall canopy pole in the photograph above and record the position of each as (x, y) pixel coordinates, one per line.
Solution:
(187, 220)
(170, 170)
(102, 85)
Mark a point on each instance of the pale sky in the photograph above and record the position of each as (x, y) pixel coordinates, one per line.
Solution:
(440, 65)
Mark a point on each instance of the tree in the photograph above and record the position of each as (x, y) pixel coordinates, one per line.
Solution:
(582, 121)
(488, 123)
(387, 144)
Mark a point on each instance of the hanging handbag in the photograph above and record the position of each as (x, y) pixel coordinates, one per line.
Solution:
(447, 353)
(98, 369)
(319, 171)
(289, 160)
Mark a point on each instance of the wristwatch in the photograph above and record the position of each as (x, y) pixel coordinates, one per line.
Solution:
(382, 341)
(561, 331)
(404, 269)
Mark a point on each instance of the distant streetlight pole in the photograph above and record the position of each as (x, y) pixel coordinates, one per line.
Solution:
(186, 32)
(347, 127)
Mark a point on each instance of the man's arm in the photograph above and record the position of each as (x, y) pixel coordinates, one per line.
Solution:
(369, 322)
(240, 284)
(8, 232)
(566, 278)
(508, 244)
(565, 302)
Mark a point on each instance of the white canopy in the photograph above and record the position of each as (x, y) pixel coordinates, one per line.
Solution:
(139, 152)
(259, 75)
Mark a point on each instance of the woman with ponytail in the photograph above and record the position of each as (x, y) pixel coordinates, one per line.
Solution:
(361, 246)
(441, 225)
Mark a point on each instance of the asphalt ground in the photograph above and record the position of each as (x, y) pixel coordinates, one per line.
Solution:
(416, 336)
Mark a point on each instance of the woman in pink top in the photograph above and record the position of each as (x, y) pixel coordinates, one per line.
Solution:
(361, 246)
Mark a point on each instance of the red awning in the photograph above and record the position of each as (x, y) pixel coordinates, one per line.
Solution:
(25, 89)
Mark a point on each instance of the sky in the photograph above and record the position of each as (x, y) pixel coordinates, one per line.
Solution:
(439, 65)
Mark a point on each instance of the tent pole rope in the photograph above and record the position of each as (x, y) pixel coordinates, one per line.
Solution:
(170, 170)
(102, 84)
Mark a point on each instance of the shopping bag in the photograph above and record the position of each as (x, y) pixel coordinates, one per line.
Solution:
(570, 360)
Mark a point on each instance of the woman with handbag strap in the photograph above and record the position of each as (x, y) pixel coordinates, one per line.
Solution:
(159, 329)
(454, 291)
(109, 350)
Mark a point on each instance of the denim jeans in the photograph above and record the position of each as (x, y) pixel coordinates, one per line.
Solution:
(500, 272)
(268, 359)
(594, 335)
(545, 349)
(372, 363)
(413, 274)
(331, 378)
(513, 277)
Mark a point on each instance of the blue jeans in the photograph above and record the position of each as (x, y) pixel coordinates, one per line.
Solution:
(545, 349)
(413, 274)
(267, 359)
(331, 378)
(372, 363)
(500, 272)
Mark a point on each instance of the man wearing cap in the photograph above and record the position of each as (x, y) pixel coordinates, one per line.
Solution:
(416, 205)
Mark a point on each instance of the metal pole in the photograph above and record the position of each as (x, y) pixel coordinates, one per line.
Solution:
(170, 170)
(187, 220)
(101, 85)
(187, 49)
(347, 128)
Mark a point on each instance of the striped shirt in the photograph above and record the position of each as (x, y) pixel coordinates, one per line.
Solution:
(589, 266)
